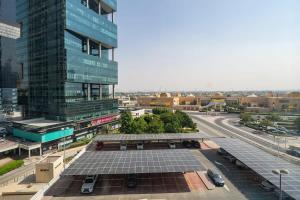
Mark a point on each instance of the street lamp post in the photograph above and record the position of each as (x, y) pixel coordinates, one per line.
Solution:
(280, 172)
(64, 141)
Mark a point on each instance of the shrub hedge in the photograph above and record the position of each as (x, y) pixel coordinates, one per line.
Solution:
(11, 166)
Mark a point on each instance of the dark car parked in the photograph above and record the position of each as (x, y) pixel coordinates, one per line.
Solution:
(216, 178)
(186, 144)
(132, 181)
(195, 144)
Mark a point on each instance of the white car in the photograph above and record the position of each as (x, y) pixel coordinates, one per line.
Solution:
(88, 184)
(140, 146)
(172, 145)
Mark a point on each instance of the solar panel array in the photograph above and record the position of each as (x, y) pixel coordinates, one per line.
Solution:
(263, 163)
(144, 137)
(131, 162)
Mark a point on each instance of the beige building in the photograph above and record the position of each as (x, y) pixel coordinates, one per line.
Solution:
(289, 102)
(164, 100)
(48, 168)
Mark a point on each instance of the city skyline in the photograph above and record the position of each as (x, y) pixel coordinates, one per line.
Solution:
(208, 46)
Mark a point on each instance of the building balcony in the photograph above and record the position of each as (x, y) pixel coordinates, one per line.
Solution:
(111, 3)
(85, 68)
(86, 22)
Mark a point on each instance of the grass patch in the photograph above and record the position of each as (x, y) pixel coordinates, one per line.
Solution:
(11, 166)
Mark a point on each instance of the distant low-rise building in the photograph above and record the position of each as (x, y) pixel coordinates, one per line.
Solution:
(288, 103)
(163, 100)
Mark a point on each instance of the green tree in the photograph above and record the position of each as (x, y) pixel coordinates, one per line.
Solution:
(297, 123)
(266, 122)
(168, 117)
(126, 122)
(139, 125)
(246, 117)
(159, 111)
(155, 125)
(172, 127)
(274, 117)
(185, 120)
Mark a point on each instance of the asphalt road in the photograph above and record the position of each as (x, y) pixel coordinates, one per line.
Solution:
(215, 126)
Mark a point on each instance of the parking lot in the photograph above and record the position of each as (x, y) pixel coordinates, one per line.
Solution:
(239, 184)
(146, 184)
(244, 180)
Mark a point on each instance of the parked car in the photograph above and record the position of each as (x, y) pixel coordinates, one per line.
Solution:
(221, 151)
(99, 146)
(240, 165)
(172, 145)
(195, 144)
(267, 186)
(123, 146)
(88, 184)
(230, 158)
(186, 144)
(140, 146)
(295, 153)
(132, 181)
(3, 131)
(216, 178)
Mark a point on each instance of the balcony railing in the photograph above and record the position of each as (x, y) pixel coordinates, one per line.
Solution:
(86, 22)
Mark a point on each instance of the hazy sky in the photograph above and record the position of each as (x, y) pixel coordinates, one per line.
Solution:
(208, 44)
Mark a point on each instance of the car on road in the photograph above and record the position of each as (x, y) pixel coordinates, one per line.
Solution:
(172, 145)
(186, 144)
(89, 184)
(132, 181)
(293, 152)
(140, 146)
(267, 186)
(216, 178)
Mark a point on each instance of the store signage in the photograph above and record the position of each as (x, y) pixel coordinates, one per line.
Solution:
(103, 120)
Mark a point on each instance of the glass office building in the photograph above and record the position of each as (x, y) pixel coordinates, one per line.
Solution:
(9, 32)
(66, 57)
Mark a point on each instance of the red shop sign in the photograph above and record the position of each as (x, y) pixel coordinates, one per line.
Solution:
(103, 120)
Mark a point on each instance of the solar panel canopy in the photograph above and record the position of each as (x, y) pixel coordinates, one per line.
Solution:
(144, 137)
(263, 163)
(132, 162)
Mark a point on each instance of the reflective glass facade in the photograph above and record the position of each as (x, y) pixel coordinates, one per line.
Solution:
(9, 71)
(67, 55)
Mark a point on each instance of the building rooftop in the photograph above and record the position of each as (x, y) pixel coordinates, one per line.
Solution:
(50, 159)
(39, 122)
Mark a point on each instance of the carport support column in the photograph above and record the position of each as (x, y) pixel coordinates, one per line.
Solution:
(40, 150)
(19, 151)
(29, 153)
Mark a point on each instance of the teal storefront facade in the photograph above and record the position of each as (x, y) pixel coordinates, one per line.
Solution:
(43, 137)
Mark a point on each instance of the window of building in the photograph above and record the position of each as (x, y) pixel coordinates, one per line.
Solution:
(94, 5)
(84, 2)
(21, 71)
(84, 45)
(94, 48)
